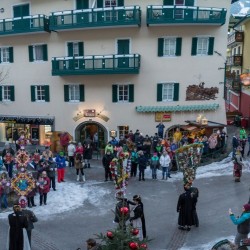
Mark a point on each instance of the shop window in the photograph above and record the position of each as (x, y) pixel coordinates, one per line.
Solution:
(123, 93)
(7, 93)
(123, 131)
(167, 92)
(38, 52)
(6, 55)
(170, 46)
(40, 93)
(202, 46)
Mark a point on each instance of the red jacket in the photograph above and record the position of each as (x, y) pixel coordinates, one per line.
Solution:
(44, 186)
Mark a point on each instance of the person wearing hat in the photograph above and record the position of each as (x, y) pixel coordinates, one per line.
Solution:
(44, 187)
(106, 160)
(17, 237)
(61, 165)
(138, 220)
(142, 162)
(242, 223)
(8, 158)
(31, 218)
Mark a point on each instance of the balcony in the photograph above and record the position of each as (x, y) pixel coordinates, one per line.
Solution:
(235, 60)
(26, 24)
(96, 65)
(92, 18)
(179, 15)
(235, 37)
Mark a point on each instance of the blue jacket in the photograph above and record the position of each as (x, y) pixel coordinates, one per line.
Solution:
(60, 161)
(242, 222)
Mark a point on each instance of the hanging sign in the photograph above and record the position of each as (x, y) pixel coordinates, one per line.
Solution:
(162, 117)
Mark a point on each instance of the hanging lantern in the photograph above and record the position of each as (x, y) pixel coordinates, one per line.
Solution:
(245, 79)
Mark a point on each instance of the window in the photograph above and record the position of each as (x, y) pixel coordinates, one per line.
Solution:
(7, 93)
(110, 3)
(123, 131)
(167, 92)
(6, 55)
(40, 93)
(170, 46)
(74, 93)
(123, 93)
(38, 52)
(202, 46)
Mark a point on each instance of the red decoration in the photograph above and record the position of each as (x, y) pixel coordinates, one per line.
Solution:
(124, 210)
(110, 235)
(134, 231)
(144, 245)
(133, 245)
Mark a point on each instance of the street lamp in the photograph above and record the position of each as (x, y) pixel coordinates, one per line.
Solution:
(225, 70)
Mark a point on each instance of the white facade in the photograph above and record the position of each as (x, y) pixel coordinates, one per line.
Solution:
(185, 70)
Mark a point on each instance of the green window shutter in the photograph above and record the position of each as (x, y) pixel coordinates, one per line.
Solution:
(12, 93)
(82, 93)
(160, 46)
(114, 93)
(33, 93)
(66, 93)
(46, 88)
(45, 52)
(31, 57)
(0, 55)
(81, 48)
(70, 49)
(194, 46)
(211, 46)
(176, 92)
(99, 4)
(159, 92)
(178, 46)
(131, 92)
(189, 2)
(1, 93)
(120, 3)
(168, 2)
(11, 54)
(82, 4)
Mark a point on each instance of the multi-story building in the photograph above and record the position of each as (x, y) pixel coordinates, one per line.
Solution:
(110, 66)
(238, 64)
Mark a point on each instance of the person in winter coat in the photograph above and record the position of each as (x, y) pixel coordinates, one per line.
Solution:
(138, 220)
(107, 158)
(235, 144)
(160, 127)
(134, 162)
(61, 165)
(31, 218)
(212, 142)
(79, 149)
(8, 158)
(87, 155)
(79, 167)
(238, 164)
(47, 153)
(71, 152)
(164, 162)
(17, 237)
(92, 245)
(185, 210)
(43, 187)
(51, 173)
(154, 165)
(142, 162)
(242, 223)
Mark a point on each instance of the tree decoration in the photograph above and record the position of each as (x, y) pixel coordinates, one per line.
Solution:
(124, 210)
(133, 245)
(135, 231)
(144, 246)
(8, 158)
(110, 235)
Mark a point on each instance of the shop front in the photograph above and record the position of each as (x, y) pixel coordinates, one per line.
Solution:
(36, 129)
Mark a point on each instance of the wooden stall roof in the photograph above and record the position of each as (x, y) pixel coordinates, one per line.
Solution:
(209, 124)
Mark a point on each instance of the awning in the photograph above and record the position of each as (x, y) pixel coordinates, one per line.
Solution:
(177, 108)
(38, 120)
(189, 128)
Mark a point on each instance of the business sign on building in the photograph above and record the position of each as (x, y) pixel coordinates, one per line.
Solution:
(162, 117)
(89, 113)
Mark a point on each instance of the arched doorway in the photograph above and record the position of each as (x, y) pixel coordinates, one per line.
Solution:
(88, 129)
